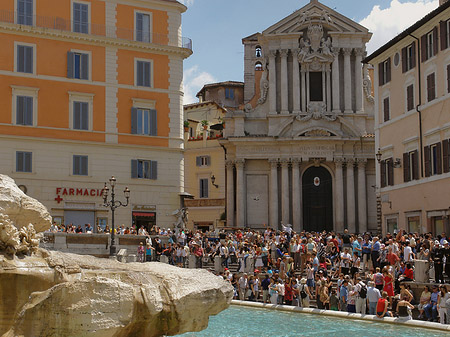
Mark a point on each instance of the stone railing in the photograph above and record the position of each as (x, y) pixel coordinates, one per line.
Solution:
(204, 202)
(63, 25)
(91, 244)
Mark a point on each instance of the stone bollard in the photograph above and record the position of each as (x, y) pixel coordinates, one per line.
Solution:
(191, 262)
(421, 270)
(164, 259)
(218, 264)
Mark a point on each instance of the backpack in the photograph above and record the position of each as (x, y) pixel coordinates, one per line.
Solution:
(363, 292)
(303, 292)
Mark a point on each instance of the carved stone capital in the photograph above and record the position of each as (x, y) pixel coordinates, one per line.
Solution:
(272, 53)
(336, 51)
(350, 162)
(295, 53)
(361, 162)
(347, 51)
(273, 162)
(240, 163)
(285, 162)
(284, 52)
(296, 161)
(339, 161)
(360, 52)
(229, 164)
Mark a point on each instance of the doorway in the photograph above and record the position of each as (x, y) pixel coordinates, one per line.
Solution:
(317, 199)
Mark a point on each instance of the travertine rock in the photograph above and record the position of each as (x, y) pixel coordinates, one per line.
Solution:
(58, 294)
(13, 241)
(20, 208)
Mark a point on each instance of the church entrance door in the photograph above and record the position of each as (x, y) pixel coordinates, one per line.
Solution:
(317, 199)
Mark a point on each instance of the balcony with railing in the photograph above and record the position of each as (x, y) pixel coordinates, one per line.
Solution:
(63, 25)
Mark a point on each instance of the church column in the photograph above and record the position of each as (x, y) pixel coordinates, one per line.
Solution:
(241, 193)
(324, 85)
(272, 82)
(296, 191)
(358, 79)
(273, 202)
(347, 80)
(336, 96)
(303, 76)
(296, 81)
(285, 191)
(307, 87)
(339, 197)
(328, 70)
(230, 194)
(284, 82)
(362, 195)
(351, 218)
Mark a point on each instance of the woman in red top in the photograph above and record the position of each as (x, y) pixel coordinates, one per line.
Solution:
(288, 292)
(388, 286)
(382, 306)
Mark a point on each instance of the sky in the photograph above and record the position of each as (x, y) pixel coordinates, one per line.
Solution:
(218, 26)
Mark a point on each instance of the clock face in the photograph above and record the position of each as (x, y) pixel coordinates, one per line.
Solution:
(316, 181)
(23, 188)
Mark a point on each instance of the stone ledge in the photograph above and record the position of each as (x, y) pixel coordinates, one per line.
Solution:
(342, 314)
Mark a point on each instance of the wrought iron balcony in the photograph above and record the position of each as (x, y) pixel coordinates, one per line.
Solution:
(63, 25)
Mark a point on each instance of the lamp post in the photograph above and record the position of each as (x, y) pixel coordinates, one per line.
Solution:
(113, 204)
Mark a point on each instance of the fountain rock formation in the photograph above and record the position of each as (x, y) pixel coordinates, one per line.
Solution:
(20, 208)
(47, 293)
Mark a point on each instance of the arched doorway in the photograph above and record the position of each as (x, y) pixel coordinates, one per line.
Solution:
(317, 199)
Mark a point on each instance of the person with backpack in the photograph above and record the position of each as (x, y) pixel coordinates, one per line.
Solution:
(304, 293)
(361, 295)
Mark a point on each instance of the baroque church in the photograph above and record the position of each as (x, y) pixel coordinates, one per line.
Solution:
(300, 150)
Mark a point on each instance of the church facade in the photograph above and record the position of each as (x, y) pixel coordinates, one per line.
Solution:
(300, 150)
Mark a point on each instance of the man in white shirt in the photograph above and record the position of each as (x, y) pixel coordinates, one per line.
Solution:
(242, 286)
(361, 295)
(408, 255)
(373, 295)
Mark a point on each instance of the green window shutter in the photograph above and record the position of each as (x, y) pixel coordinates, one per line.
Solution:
(383, 173)
(84, 66)
(404, 60)
(445, 155)
(84, 115)
(415, 164)
(70, 64)
(77, 115)
(134, 168)
(427, 155)
(28, 162)
(134, 112)
(406, 168)
(154, 170)
(439, 158)
(20, 110)
(28, 110)
(19, 162)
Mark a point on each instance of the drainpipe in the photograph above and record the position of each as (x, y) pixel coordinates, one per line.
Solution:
(420, 103)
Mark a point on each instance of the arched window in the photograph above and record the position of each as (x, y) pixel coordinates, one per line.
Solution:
(258, 51)
(258, 66)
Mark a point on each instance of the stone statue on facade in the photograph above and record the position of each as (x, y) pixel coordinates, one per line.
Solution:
(263, 84)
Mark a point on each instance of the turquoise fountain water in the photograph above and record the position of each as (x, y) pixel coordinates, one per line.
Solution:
(246, 322)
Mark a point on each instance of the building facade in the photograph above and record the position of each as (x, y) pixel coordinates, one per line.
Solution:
(301, 149)
(204, 155)
(412, 104)
(92, 89)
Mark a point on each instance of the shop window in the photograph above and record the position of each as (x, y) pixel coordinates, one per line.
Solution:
(413, 224)
(391, 225)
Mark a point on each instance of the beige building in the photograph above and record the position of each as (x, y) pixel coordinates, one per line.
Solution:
(300, 150)
(204, 156)
(412, 104)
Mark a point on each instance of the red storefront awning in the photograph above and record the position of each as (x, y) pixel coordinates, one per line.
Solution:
(149, 214)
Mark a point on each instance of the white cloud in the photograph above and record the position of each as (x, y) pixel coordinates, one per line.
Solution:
(387, 23)
(193, 81)
(187, 2)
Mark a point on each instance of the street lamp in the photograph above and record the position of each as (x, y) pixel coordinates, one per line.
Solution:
(113, 204)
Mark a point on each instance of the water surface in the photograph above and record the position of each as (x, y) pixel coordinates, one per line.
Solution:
(245, 322)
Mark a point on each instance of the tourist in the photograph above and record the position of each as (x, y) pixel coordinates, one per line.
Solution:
(388, 287)
(404, 309)
(431, 308)
(373, 295)
(443, 299)
(437, 256)
(265, 288)
(361, 296)
(382, 306)
(334, 301)
(242, 286)
(141, 252)
(305, 293)
(425, 298)
(343, 295)
(148, 252)
(273, 291)
(345, 261)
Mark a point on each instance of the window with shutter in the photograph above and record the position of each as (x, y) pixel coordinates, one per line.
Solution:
(144, 169)
(444, 34)
(386, 112)
(203, 188)
(414, 161)
(448, 78)
(423, 48)
(431, 87)
(80, 115)
(24, 59)
(24, 110)
(408, 57)
(143, 73)
(25, 12)
(383, 173)
(78, 65)
(80, 18)
(410, 97)
(427, 155)
(24, 161)
(143, 27)
(80, 165)
(430, 44)
(390, 171)
(445, 156)
(438, 158)
(406, 168)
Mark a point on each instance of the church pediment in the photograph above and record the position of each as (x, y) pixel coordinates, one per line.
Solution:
(314, 12)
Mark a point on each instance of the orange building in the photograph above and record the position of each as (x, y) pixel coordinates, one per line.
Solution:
(90, 89)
